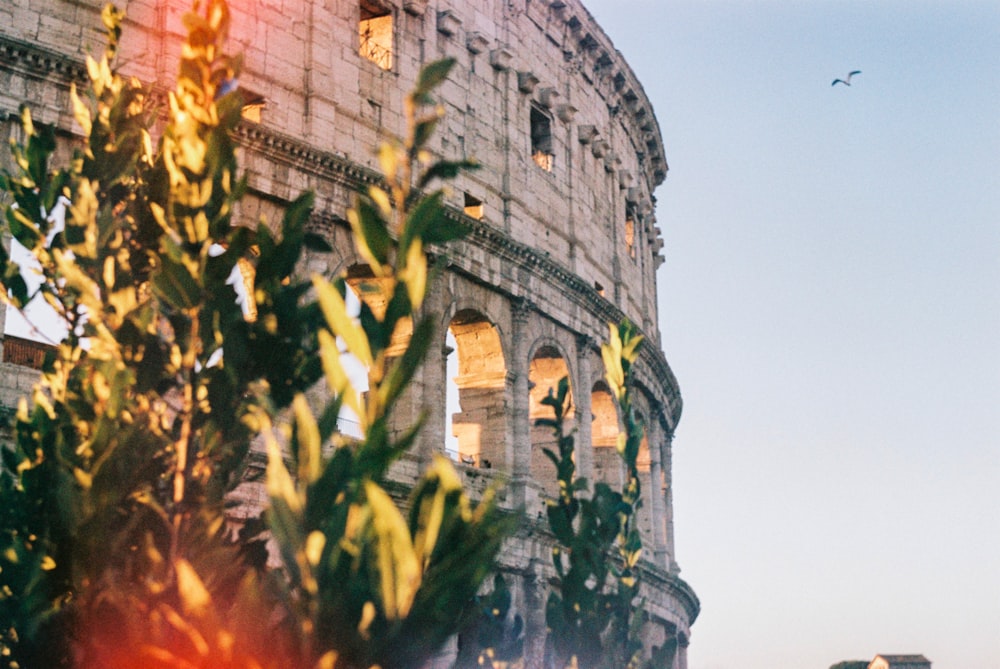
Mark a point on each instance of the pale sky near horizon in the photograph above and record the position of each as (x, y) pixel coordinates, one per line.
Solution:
(830, 303)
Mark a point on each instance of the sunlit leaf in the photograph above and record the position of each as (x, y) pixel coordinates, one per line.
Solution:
(396, 563)
(337, 379)
(308, 441)
(335, 311)
(195, 598)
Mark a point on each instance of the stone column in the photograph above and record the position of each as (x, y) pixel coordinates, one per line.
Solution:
(520, 410)
(666, 462)
(535, 596)
(584, 411)
(656, 495)
(430, 384)
(682, 651)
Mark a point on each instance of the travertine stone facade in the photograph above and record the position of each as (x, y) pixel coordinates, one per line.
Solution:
(564, 236)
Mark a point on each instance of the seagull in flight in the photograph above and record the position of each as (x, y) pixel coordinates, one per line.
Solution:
(847, 80)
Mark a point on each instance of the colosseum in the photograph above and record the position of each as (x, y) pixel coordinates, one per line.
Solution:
(563, 229)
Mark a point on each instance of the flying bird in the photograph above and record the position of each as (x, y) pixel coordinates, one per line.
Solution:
(847, 80)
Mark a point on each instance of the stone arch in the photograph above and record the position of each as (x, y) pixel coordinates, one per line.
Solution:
(476, 390)
(547, 365)
(604, 430)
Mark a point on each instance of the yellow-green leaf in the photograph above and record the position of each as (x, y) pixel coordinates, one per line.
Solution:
(315, 543)
(415, 273)
(441, 480)
(80, 111)
(336, 377)
(395, 560)
(381, 200)
(335, 311)
(307, 432)
(279, 481)
(195, 598)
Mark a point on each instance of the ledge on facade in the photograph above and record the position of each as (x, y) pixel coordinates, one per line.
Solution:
(40, 61)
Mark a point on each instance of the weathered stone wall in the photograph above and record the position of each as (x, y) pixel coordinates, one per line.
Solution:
(565, 240)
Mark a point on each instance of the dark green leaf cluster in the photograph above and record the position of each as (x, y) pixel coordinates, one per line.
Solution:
(594, 612)
(493, 635)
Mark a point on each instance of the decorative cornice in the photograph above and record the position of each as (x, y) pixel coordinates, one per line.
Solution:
(294, 152)
(40, 62)
(677, 587)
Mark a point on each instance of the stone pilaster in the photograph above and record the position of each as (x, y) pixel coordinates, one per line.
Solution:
(657, 495)
(666, 462)
(584, 411)
(520, 411)
(435, 387)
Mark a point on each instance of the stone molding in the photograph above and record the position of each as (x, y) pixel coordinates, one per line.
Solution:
(39, 62)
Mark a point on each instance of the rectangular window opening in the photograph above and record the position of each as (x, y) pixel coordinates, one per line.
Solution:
(474, 207)
(541, 140)
(375, 32)
(599, 288)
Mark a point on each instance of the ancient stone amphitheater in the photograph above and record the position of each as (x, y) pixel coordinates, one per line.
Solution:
(564, 236)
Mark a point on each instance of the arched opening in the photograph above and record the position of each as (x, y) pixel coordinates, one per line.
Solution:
(604, 436)
(477, 374)
(546, 369)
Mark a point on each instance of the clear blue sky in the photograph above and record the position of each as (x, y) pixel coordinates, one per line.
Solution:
(830, 303)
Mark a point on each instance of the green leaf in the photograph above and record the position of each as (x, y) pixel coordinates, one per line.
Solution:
(431, 75)
(435, 491)
(423, 131)
(396, 564)
(445, 169)
(423, 217)
(174, 284)
(23, 228)
(306, 441)
(560, 524)
(408, 363)
(371, 233)
(340, 323)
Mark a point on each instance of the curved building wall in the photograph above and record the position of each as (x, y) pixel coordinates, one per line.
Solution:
(564, 236)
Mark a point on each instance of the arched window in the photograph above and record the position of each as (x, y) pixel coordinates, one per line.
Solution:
(604, 436)
(546, 369)
(477, 375)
